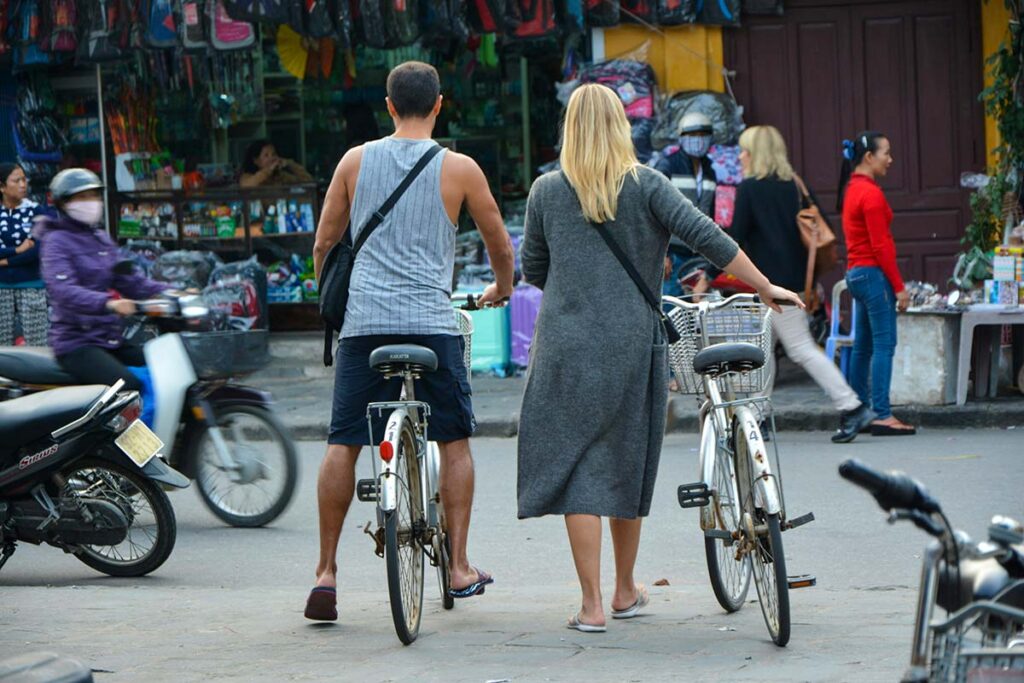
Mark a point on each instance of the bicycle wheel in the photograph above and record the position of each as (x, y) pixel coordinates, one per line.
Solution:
(444, 577)
(763, 540)
(728, 568)
(403, 550)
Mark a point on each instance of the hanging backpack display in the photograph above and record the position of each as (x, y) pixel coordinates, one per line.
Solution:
(486, 16)
(227, 33)
(372, 23)
(161, 27)
(571, 16)
(602, 12)
(403, 21)
(535, 19)
(61, 21)
(193, 25)
(718, 12)
(28, 29)
(317, 20)
(444, 24)
(252, 11)
(765, 7)
(638, 11)
(677, 12)
(632, 81)
(342, 11)
(104, 34)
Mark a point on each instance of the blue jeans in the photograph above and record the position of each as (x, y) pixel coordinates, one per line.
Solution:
(875, 337)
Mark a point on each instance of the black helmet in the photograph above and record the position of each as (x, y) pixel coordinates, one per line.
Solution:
(72, 181)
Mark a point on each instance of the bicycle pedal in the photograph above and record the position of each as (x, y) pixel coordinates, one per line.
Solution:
(368, 490)
(377, 537)
(801, 581)
(799, 521)
(719, 534)
(694, 495)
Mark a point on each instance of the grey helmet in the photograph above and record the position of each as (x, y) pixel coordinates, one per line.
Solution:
(72, 181)
(695, 122)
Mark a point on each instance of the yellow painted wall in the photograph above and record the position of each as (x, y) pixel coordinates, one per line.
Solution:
(677, 54)
(995, 28)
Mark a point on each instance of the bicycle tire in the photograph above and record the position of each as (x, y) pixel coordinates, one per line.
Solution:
(444, 572)
(767, 559)
(730, 577)
(403, 548)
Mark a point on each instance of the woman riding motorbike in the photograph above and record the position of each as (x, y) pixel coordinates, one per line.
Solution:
(86, 293)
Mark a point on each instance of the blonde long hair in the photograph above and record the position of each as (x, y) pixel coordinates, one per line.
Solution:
(597, 150)
(767, 152)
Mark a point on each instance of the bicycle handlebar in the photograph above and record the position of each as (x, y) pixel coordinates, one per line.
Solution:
(472, 303)
(892, 489)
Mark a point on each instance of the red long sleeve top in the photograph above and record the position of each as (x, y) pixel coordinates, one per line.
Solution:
(867, 218)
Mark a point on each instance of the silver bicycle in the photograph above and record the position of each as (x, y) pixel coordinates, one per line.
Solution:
(405, 486)
(722, 358)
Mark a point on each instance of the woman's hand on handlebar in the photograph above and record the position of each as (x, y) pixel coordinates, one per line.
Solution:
(123, 307)
(493, 296)
(772, 295)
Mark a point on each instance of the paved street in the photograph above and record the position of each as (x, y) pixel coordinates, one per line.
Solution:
(228, 604)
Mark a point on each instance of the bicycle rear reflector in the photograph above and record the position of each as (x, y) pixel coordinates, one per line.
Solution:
(387, 451)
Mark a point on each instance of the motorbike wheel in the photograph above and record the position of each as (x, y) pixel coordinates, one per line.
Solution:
(264, 452)
(152, 526)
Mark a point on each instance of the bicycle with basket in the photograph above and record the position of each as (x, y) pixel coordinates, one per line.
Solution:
(722, 357)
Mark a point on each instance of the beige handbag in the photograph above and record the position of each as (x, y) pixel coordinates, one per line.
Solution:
(822, 252)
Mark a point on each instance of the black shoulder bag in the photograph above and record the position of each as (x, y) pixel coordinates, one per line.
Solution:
(336, 272)
(655, 302)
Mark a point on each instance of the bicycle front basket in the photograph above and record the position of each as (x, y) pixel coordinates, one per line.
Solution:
(228, 353)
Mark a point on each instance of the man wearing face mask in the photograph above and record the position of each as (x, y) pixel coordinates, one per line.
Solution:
(688, 167)
(86, 294)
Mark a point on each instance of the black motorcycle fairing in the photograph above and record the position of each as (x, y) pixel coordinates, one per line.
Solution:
(979, 580)
(22, 469)
(30, 418)
(156, 469)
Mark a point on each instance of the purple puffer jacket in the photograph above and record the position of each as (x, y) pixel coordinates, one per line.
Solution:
(77, 264)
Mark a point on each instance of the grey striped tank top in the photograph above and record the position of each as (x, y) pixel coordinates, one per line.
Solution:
(402, 278)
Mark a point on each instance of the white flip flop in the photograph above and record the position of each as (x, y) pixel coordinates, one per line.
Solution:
(576, 624)
(643, 598)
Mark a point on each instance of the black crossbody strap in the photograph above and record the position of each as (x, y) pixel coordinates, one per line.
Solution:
(378, 216)
(653, 301)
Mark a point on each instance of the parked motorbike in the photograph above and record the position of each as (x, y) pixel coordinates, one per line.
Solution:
(223, 435)
(980, 585)
(80, 472)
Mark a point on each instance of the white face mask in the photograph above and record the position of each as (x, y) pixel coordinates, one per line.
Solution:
(89, 211)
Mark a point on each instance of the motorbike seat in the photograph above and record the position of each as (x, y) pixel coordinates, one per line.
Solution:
(718, 359)
(419, 358)
(29, 418)
(33, 366)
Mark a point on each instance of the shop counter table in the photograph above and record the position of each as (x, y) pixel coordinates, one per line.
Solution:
(987, 357)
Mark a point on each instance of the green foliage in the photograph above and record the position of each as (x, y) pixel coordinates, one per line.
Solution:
(1002, 100)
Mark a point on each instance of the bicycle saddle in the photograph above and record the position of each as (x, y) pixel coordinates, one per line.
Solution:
(728, 357)
(387, 357)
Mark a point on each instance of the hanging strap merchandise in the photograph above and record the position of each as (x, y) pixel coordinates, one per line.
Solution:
(336, 272)
(654, 302)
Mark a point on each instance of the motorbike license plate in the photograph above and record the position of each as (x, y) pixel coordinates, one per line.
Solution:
(139, 443)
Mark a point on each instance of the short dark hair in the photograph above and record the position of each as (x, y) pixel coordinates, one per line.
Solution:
(854, 152)
(6, 169)
(413, 88)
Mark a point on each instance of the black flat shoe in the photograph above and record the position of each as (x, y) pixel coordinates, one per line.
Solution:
(852, 423)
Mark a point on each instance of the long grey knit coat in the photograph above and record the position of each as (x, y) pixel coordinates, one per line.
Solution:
(593, 413)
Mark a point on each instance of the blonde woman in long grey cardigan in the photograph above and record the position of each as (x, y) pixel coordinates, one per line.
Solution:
(593, 414)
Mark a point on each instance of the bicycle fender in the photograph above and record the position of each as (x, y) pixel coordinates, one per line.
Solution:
(708, 446)
(766, 493)
(388, 477)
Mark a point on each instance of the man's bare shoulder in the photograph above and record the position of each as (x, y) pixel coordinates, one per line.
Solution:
(459, 165)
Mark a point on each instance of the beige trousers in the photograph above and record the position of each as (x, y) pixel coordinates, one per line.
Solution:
(791, 330)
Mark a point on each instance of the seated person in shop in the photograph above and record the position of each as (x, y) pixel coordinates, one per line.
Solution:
(687, 165)
(262, 166)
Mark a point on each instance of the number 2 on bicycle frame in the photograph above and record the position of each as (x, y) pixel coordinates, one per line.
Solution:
(722, 352)
(405, 486)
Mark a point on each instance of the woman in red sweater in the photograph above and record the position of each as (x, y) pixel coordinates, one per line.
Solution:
(872, 275)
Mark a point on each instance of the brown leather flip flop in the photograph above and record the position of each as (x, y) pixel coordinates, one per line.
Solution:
(322, 604)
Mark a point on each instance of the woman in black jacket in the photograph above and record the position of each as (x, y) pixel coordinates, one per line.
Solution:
(764, 224)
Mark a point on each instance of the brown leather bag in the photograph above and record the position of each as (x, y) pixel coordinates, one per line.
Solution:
(822, 252)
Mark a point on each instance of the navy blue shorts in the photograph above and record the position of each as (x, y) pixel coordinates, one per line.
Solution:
(356, 384)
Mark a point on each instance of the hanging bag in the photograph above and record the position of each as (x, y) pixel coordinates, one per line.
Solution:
(677, 12)
(336, 272)
(161, 28)
(718, 12)
(671, 333)
(104, 35)
(817, 236)
(193, 25)
(487, 16)
(227, 33)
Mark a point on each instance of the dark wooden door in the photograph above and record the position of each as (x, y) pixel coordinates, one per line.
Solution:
(909, 68)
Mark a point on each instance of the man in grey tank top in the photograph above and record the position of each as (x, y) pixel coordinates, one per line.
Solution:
(400, 293)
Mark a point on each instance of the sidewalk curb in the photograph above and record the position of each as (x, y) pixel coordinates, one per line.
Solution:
(683, 419)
